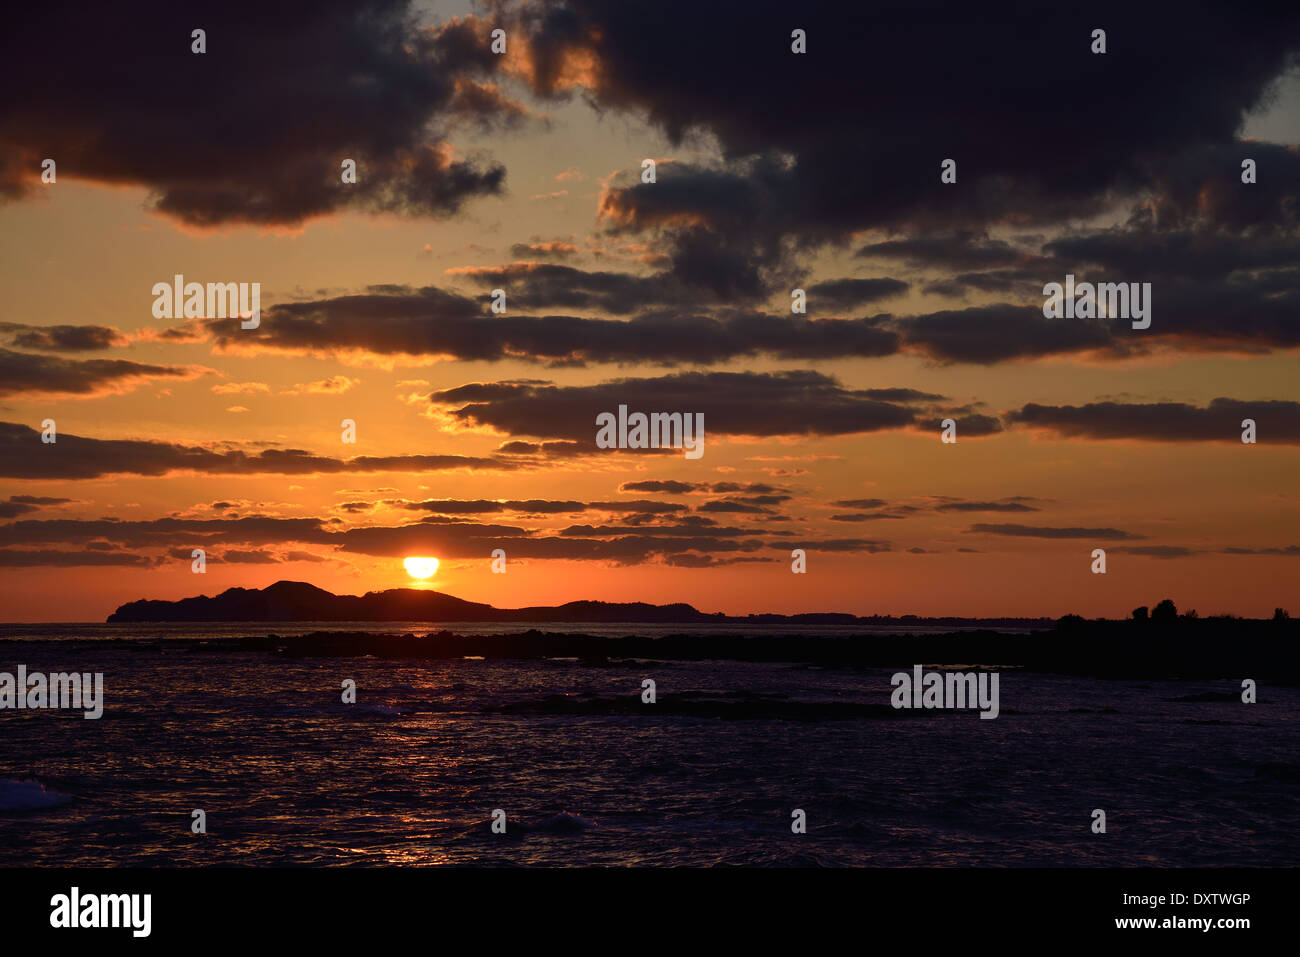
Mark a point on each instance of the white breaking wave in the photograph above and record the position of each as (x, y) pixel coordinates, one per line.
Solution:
(28, 795)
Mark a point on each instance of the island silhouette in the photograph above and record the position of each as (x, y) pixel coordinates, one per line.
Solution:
(300, 601)
(1150, 644)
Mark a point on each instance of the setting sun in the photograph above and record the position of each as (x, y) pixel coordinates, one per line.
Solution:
(419, 566)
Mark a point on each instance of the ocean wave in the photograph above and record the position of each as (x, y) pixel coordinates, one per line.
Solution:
(733, 706)
(562, 823)
(29, 795)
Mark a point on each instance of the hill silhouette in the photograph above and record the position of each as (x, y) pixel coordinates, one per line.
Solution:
(300, 601)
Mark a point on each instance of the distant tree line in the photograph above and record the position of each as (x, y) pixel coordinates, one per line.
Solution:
(1164, 613)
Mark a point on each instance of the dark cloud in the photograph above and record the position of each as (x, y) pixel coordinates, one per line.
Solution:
(902, 395)
(724, 234)
(745, 403)
(1035, 531)
(695, 560)
(984, 507)
(1202, 186)
(851, 293)
(248, 556)
(696, 530)
(1022, 283)
(62, 338)
(615, 544)
(1274, 550)
(186, 533)
(860, 503)
(1153, 254)
(262, 540)
(757, 488)
(24, 558)
(550, 450)
(878, 508)
(255, 129)
(673, 487)
(974, 425)
(539, 507)
(392, 320)
(22, 373)
(845, 545)
(662, 485)
(989, 334)
(959, 251)
(1155, 551)
(734, 506)
(1210, 289)
(23, 455)
(1245, 308)
(533, 285)
(821, 145)
(26, 504)
(297, 556)
(1277, 420)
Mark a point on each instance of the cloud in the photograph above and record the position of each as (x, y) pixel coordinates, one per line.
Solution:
(190, 533)
(22, 373)
(653, 533)
(1034, 531)
(1155, 551)
(746, 403)
(26, 504)
(661, 485)
(298, 556)
(253, 556)
(984, 507)
(673, 487)
(62, 338)
(852, 293)
(255, 129)
(1250, 311)
(551, 249)
(25, 558)
(401, 321)
(878, 508)
(803, 168)
(990, 334)
(334, 385)
(23, 455)
(533, 285)
(539, 507)
(1277, 420)
(962, 250)
(1271, 550)
(733, 506)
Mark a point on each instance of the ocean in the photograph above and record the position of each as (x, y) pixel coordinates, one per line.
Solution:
(587, 774)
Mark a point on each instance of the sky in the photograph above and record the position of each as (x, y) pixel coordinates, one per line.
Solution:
(774, 171)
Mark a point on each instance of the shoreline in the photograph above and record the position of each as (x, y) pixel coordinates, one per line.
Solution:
(1201, 649)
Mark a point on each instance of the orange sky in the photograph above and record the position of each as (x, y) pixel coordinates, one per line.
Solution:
(84, 252)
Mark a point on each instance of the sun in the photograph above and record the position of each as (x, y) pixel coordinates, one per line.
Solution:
(421, 566)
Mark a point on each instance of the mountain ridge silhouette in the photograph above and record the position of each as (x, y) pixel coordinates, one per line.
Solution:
(302, 601)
